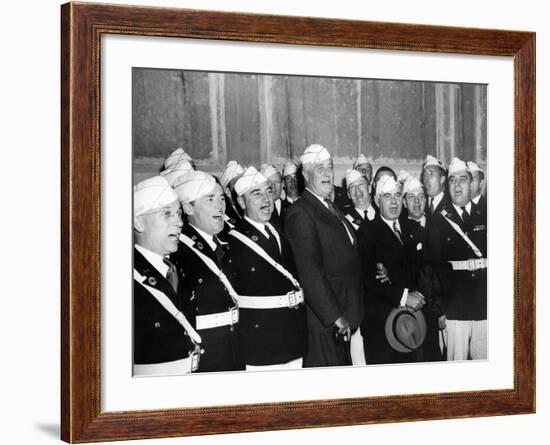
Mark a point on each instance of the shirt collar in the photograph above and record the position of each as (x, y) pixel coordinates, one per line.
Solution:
(156, 260)
(208, 238)
(258, 225)
(437, 199)
(476, 199)
(391, 222)
(371, 213)
(318, 197)
(421, 221)
(468, 208)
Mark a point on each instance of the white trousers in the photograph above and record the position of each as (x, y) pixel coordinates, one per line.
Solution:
(293, 364)
(466, 339)
(357, 350)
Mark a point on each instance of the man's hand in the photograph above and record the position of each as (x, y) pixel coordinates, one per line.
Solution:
(344, 328)
(442, 322)
(415, 300)
(382, 273)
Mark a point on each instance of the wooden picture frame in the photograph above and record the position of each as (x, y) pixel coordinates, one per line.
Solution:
(82, 26)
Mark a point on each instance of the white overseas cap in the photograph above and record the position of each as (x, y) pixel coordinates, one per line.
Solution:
(361, 159)
(175, 157)
(290, 168)
(352, 176)
(232, 170)
(387, 185)
(182, 167)
(152, 194)
(194, 185)
(457, 165)
(268, 170)
(431, 161)
(314, 153)
(402, 176)
(412, 184)
(473, 167)
(250, 178)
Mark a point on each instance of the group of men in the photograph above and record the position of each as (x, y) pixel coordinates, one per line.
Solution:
(231, 273)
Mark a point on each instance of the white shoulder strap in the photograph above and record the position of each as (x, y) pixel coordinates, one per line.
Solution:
(169, 306)
(462, 234)
(212, 266)
(256, 248)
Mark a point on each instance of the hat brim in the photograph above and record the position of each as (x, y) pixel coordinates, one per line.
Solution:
(391, 322)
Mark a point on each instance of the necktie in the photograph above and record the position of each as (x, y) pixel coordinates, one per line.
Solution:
(431, 206)
(365, 215)
(218, 251)
(272, 240)
(172, 274)
(397, 232)
(335, 212)
(466, 216)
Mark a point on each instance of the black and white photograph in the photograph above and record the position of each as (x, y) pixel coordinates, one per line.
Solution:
(284, 222)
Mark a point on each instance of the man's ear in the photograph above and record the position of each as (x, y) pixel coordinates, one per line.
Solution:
(138, 224)
(377, 200)
(241, 202)
(187, 208)
(404, 202)
(442, 180)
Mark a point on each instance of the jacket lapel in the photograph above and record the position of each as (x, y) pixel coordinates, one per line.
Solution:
(325, 213)
(153, 277)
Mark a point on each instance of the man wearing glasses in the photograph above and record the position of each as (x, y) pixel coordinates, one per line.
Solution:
(165, 342)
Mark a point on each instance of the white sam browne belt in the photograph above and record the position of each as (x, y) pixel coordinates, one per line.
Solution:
(470, 265)
(228, 318)
(290, 300)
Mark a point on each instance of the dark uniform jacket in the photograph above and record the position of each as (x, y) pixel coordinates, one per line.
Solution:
(158, 336)
(329, 270)
(467, 297)
(222, 350)
(354, 217)
(445, 203)
(269, 336)
(379, 244)
(277, 218)
(232, 213)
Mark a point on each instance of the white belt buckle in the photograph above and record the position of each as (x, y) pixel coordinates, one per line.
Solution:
(472, 265)
(233, 315)
(195, 360)
(292, 300)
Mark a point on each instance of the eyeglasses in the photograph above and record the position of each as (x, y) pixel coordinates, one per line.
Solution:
(167, 213)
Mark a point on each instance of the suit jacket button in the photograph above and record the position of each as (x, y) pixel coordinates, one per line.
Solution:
(256, 326)
(473, 274)
(157, 324)
(200, 280)
(253, 269)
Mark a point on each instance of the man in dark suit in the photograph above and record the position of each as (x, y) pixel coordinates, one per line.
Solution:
(457, 241)
(293, 185)
(272, 314)
(434, 175)
(324, 247)
(201, 255)
(381, 242)
(358, 191)
(279, 206)
(413, 221)
(165, 342)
